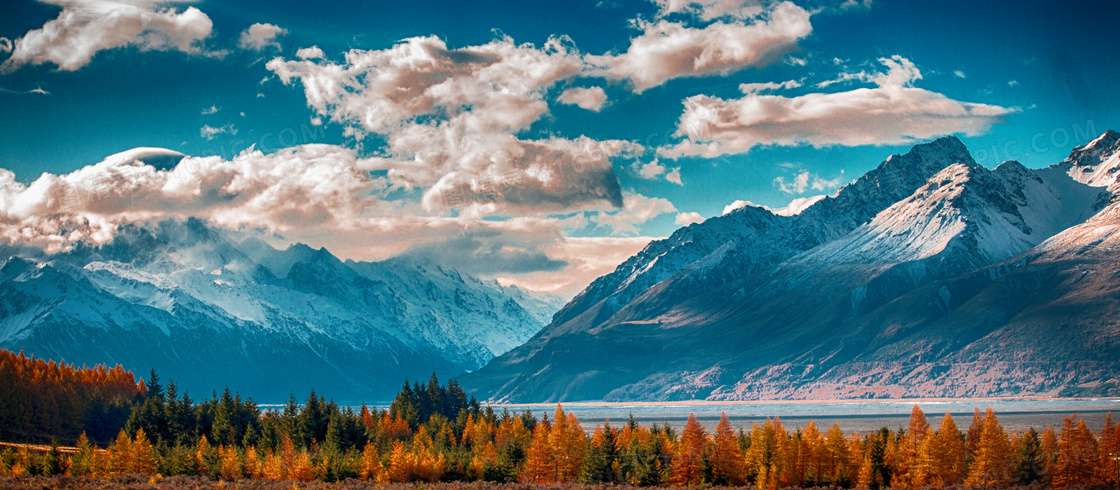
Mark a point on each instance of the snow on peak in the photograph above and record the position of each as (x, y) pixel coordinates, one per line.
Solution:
(1097, 162)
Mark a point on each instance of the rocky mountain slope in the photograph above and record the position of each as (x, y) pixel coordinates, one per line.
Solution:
(928, 276)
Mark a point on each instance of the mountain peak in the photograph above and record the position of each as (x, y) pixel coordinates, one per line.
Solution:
(1097, 162)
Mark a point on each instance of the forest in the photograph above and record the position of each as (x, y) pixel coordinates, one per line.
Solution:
(434, 433)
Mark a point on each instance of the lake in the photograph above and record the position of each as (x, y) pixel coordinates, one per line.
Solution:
(1016, 415)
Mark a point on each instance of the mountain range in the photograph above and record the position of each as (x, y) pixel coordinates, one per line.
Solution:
(929, 276)
(208, 307)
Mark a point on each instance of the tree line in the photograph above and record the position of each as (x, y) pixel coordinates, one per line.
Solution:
(41, 400)
(432, 433)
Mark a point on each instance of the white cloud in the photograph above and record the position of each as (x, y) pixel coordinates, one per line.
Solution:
(796, 206)
(674, 176)
(210, 110)
(736, 204)
(85, 27)
(1012, 83)
(651, 170)
(712, 9)
(450, 119)
(685, 219)
(591, 98)
(666, 50)
(851, 4)
(312, 53)
(637, 210)
(260, 36)
(5, 45)
(804, 181)
(210, 132)
(754, 88)
(892, 113)
(959, 74)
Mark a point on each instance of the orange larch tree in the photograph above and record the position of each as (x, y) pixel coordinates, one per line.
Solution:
(688, 460)
(727, 457)
(991, 465)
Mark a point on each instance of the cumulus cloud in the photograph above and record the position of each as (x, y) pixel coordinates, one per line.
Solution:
(651, 170)
(892, 113)
(450, 119)
(206, 111)
(210, 132)
(711, 9)
(754, 88)
(666, 50)
(685, 219)
(637, 210)
(735, 205)
(804, 181)
(86, 27)
(674, 176)
(5, 45)
(796, 206)
(959, 74)
(591, 98)
(260, 36)
(312, 53)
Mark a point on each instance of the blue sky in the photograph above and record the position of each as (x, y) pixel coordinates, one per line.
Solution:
(1015, 80)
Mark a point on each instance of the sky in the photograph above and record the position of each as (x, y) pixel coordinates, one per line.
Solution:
(538, 143)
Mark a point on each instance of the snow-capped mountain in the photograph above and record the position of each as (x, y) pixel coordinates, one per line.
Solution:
(208, 308)
(928, 276)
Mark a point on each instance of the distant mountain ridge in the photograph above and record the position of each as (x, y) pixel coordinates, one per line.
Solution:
(208, 308)
(902, 284)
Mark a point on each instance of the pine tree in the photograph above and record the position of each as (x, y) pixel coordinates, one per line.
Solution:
(1027, 459)
(538, 463)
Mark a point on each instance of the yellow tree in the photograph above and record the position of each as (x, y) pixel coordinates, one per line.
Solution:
(567, 444)
(231, 463)
(689, 458)
(142, 459)
(727, 457)
(911, 469)
(1077, 454)
(538, 462)
(120, 454)
(836, 464)
(809, 454)
(760, 454)
(371, 464)
(1109, 448)
(1048, 453)
(252, 463)
(991, 465)
(945, 453)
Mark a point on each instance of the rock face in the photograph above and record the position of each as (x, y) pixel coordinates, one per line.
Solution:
(207, 309)
(928, 276)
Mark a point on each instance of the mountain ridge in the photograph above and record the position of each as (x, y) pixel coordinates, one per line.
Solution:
(207, 307)
(792, 328)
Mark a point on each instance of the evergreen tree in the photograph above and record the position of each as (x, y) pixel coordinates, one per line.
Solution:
(1027, 459)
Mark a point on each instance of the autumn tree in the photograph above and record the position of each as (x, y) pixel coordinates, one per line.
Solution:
(1077, 454)
(944, 453)
(727, 457)
(688, 460)
(991, 465)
